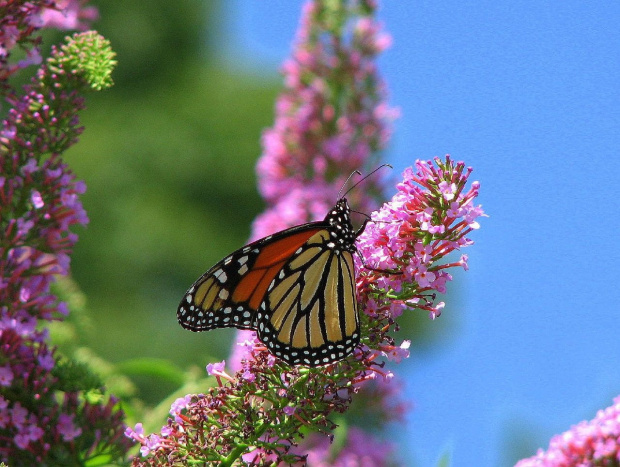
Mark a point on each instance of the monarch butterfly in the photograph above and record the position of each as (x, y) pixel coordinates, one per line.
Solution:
(295, 288)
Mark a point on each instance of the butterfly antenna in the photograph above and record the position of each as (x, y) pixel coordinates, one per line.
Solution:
(361, 213)
(360, 181)
(347, 181)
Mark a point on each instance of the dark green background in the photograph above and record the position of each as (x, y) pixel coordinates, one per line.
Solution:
(168, 158)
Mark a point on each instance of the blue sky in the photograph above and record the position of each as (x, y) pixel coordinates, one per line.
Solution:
(527, 93)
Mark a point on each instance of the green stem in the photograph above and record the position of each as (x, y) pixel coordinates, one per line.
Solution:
(240, 449)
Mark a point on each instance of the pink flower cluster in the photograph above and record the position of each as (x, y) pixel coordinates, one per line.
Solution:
(148, 443)
(594, 442)
(330, 118)
(18, 21)
(360, 450)
(69, 14)
(290, 397)
(426, 220)
(452, 215)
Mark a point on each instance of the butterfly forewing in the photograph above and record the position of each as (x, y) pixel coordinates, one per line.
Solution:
(229, 293)
(296, 288)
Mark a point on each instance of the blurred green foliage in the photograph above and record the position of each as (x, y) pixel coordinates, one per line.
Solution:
(168, 157)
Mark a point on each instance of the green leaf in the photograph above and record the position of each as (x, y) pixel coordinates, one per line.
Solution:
(153, 367)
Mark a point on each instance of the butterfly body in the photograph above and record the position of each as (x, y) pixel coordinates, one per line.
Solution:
(295, 288)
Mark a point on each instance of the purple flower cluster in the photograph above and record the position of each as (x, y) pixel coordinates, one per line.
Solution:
(44, 419)
(38, 204)
(360, 449)
(594, 442)
(331, 116)
(257, 419)
(19, 19)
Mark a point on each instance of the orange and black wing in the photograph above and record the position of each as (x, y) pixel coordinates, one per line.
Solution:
(230, 293)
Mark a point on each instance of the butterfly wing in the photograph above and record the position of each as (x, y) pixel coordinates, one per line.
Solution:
(295, 288)
(230, 293)
(309, 315)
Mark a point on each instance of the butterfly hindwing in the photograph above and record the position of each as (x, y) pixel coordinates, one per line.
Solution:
(208, 304)
(309, 315)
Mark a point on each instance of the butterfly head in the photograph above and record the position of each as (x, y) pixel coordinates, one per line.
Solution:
(342, 234)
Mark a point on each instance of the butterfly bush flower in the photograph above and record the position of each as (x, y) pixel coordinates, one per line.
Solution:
(360, 449)
(20, 19)
(69, 14)
(331, 119)
(18, 22)
(422, 223)
(594, 442)
(52, 411)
